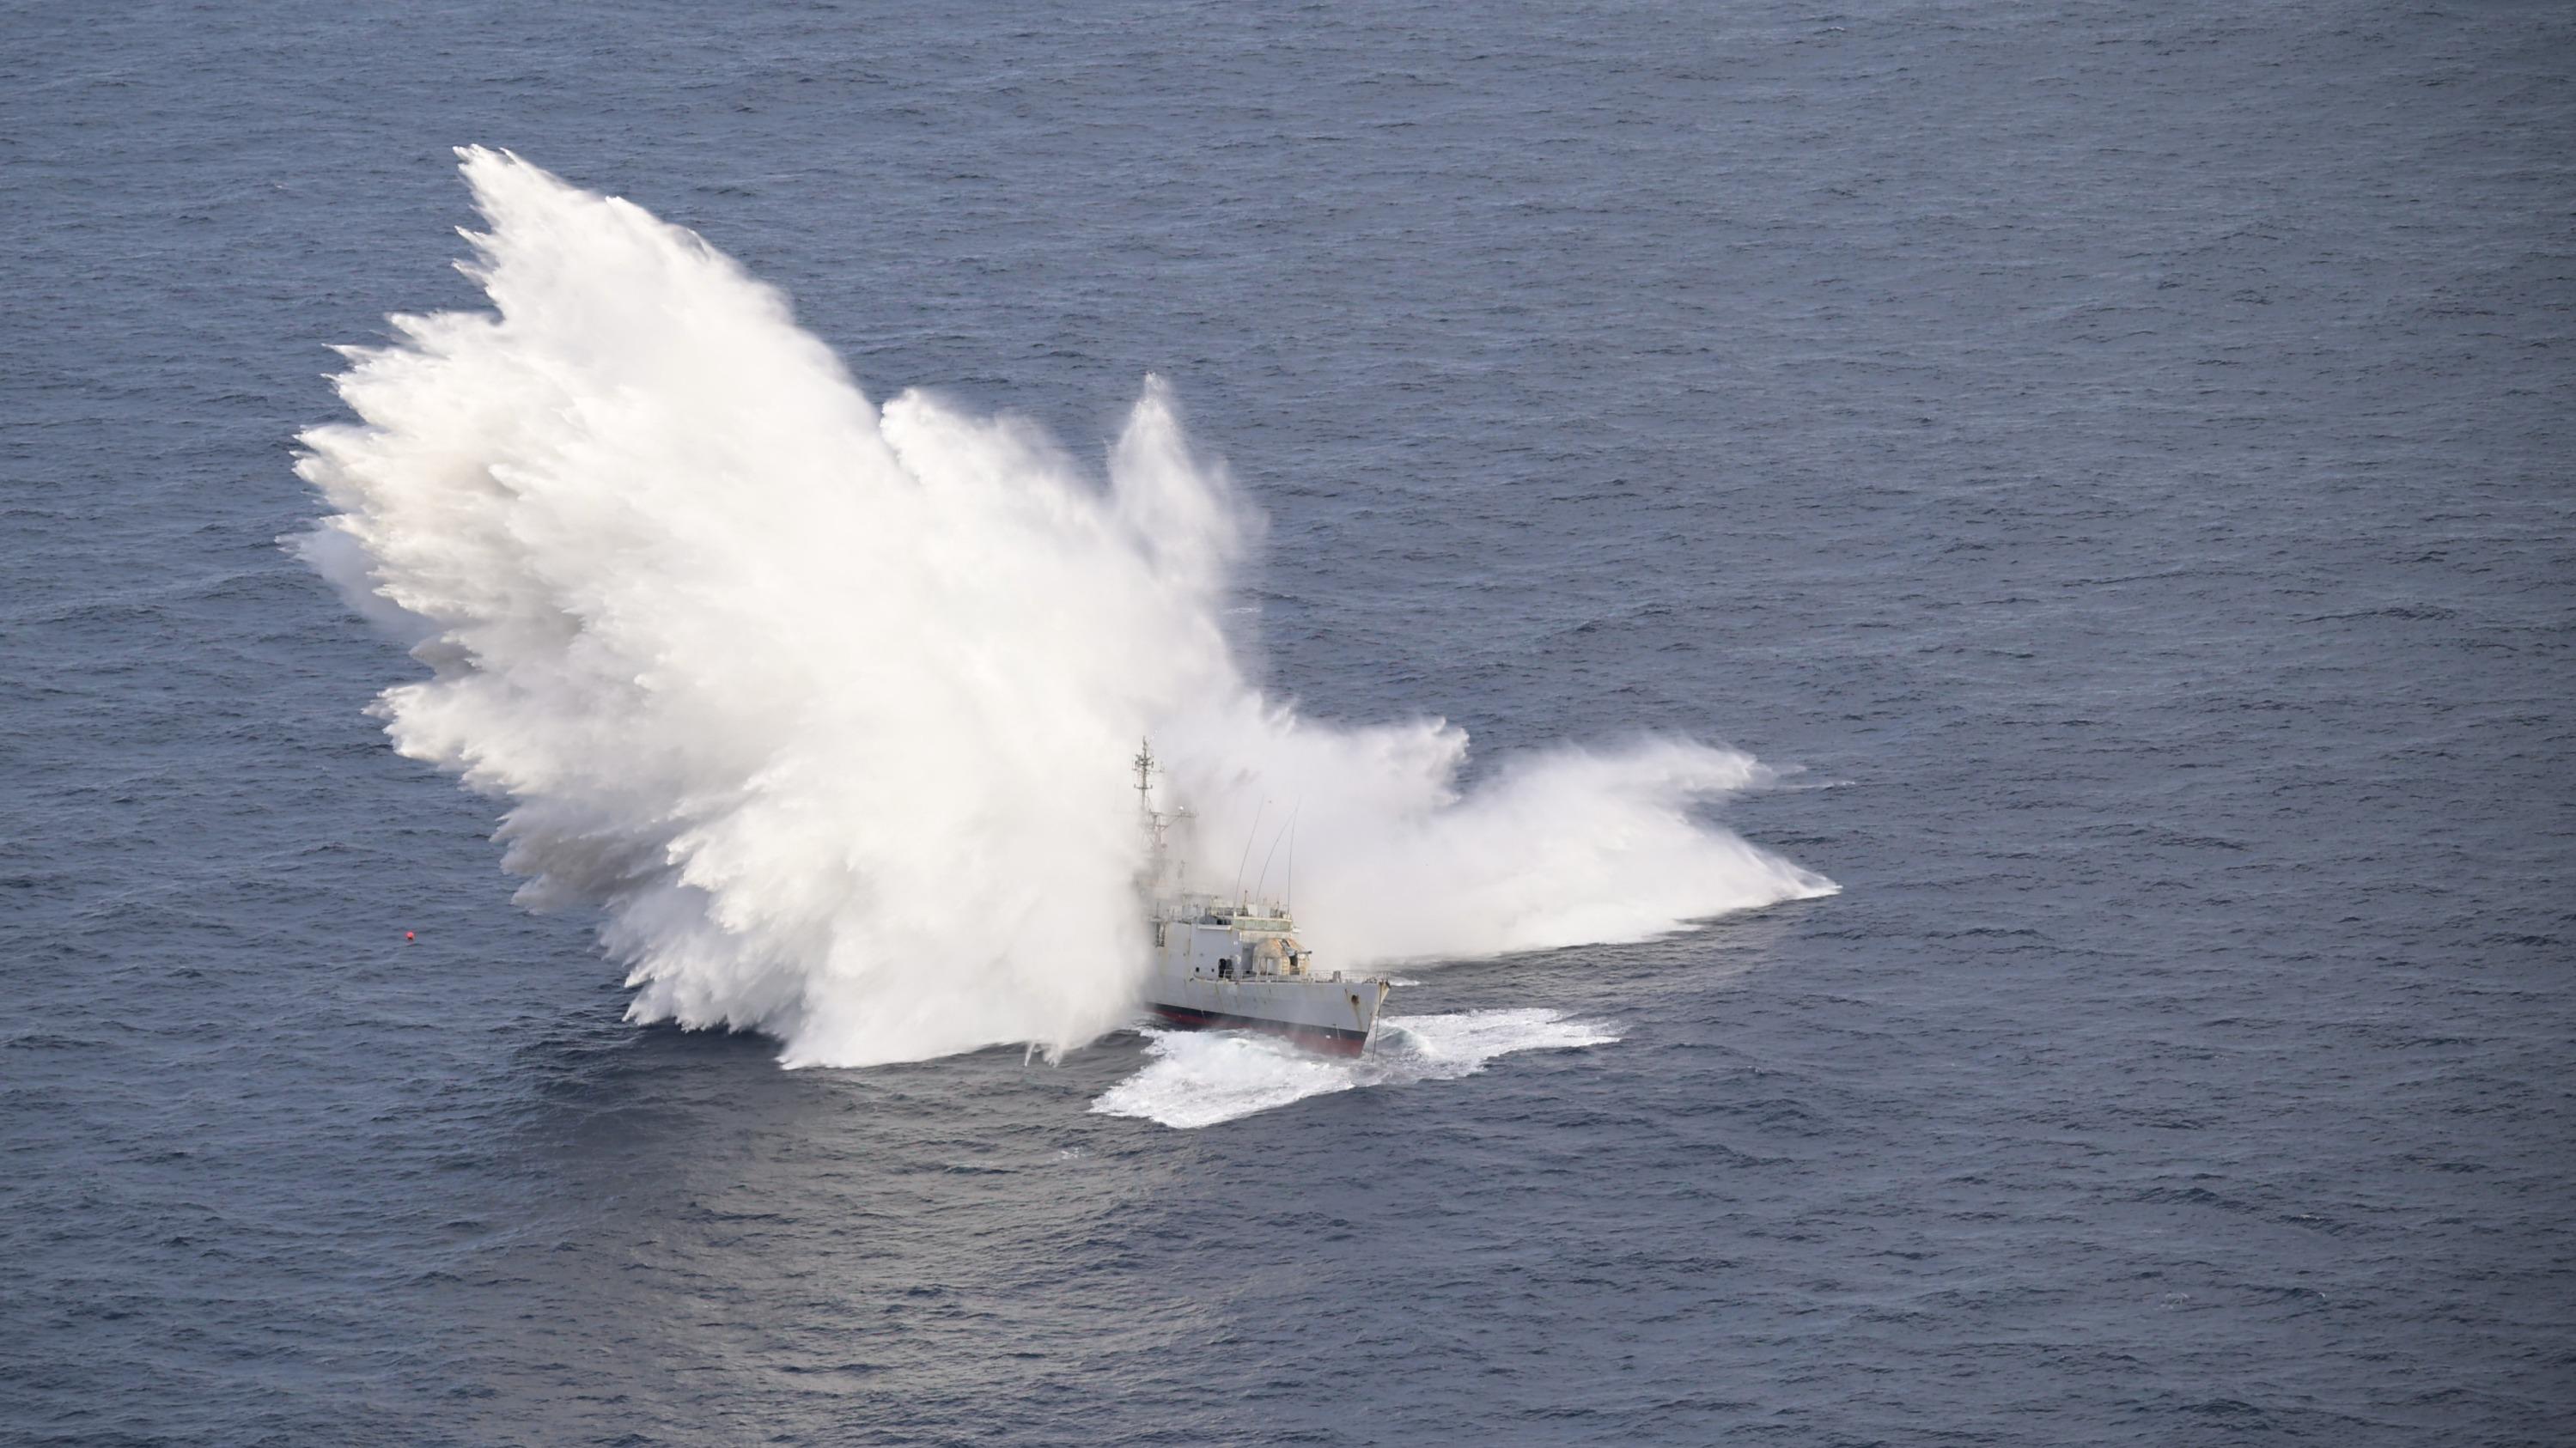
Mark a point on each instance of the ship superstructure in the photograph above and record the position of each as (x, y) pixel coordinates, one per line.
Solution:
(1234, 961)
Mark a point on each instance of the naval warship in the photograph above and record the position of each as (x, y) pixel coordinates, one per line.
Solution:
(1234, 963)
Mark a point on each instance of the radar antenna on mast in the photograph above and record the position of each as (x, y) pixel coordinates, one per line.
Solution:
(1157, 824)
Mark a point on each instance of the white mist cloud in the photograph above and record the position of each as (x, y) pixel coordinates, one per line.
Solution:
(830, 706)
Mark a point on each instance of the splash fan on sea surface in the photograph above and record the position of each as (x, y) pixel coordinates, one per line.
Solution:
(828, 705)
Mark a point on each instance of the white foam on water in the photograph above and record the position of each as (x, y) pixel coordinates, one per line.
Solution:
(1201, 1078)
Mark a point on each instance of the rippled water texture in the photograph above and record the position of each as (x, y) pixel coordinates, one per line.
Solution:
(2114, 459)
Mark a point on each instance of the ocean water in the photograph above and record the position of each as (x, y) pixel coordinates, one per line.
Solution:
(2113, 461)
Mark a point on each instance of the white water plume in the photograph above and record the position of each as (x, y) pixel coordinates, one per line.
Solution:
(829, 706)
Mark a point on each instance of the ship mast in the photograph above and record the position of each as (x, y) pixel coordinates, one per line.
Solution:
(1154, 821)
(1164, 879)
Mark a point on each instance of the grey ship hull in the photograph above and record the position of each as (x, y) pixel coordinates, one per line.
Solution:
(1322, 1014)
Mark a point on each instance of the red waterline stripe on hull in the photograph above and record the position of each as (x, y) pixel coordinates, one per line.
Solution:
(1334, 1040)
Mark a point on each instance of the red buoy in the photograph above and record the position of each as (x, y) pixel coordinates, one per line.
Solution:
(406, 935)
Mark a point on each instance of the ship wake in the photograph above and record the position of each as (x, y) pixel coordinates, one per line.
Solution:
(1194, 1079)
(827, 705)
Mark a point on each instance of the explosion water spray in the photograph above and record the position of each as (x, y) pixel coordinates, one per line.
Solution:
(829, 706)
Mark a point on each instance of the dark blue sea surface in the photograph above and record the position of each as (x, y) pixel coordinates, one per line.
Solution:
(2120, 454)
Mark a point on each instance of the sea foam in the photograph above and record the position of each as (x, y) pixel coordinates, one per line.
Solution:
(1194, 1079)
